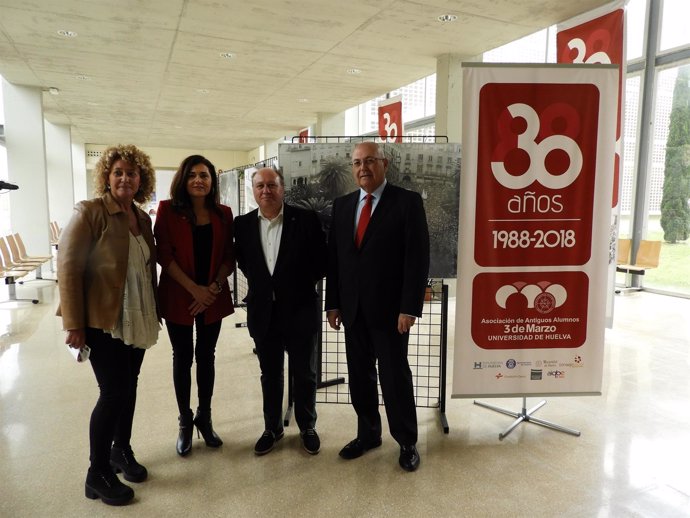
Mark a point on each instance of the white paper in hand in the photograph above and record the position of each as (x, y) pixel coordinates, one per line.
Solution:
(81, 355)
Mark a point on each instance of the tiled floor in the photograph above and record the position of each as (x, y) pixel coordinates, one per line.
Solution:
(632, 458)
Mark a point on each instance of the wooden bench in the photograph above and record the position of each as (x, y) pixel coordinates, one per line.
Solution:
(624, 249)
(647, 256)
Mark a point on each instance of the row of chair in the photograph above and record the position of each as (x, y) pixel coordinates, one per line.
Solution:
(647, 256)
(54, 233)
(16, 263)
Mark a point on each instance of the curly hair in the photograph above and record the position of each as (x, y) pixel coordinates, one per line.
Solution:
(133, 155)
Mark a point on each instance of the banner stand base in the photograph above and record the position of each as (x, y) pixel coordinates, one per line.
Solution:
(526, 416)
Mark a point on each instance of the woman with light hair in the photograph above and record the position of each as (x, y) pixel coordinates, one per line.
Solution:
(107, 280)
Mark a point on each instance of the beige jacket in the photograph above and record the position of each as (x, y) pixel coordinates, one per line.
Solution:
(92, 263)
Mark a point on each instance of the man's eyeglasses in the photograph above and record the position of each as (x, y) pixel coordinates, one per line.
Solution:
(270, 186)
(368, 161)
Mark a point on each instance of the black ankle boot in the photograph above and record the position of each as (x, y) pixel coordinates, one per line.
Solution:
(203, 424)
(184, 439)
(122, 460)
(106, 486)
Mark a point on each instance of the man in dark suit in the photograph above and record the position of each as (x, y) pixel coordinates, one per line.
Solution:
(282, 251)
(377, 274)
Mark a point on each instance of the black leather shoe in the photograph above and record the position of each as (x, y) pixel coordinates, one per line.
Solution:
(184, 437)
(122, 460)
(357, 448)
(267, 441)
(409, 458)
(203, 424)
(106, 486)
(311, 441)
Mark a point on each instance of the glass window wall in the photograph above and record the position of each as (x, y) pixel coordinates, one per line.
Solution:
(667, 173)
(418, 98)
(630, 128)
(635, 12)
(674, 25)
(667, 211)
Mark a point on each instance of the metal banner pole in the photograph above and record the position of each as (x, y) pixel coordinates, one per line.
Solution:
(444, 356)
(526, 416)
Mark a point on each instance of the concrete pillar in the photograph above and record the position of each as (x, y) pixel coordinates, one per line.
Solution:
(59, 172)
(449, 96)
(329, 124)
(79, 173)
(26, 161)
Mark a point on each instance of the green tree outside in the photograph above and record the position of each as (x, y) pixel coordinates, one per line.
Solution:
(675, 211)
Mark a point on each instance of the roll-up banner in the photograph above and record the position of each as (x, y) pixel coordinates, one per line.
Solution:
(535, 202)
(598, 36)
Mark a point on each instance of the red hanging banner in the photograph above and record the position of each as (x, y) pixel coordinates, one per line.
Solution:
(304, 136)
(598, 38)
(390, 120)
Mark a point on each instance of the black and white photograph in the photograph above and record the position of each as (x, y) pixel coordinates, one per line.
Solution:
(317, 173)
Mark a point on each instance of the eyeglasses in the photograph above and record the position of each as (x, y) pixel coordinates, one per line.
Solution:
(368, 161)
(270, 186)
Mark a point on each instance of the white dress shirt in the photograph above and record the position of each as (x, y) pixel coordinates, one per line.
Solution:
(271, 230)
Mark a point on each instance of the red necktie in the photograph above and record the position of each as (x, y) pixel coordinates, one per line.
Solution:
(364, 218)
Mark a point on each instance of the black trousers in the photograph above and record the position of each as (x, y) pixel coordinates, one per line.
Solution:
(116, 366)
(365, 343)
(184, 352)
(302, 359)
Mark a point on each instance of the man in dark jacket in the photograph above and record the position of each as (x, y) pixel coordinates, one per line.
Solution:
(282, 251)
(377, 272)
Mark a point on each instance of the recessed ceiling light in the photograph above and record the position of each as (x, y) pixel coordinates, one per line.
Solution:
(227, 55)
(82, 77)
(54, 91)
(447, 18)
(67, 34)
(202, 90)
(354, 71)
(302, 100)
(91, 103)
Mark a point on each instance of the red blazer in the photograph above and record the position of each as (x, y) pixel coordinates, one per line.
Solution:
(174, 242)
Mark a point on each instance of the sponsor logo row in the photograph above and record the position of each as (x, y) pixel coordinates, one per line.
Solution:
(511, 363)
(535, 375)
(538, 371)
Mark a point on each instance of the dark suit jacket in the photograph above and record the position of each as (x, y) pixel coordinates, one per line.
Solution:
(301, 263)
(174, 241)
(387, 275)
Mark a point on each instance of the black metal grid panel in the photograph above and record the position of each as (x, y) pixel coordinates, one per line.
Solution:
(242, 203)
(426, 355)
(240, 288)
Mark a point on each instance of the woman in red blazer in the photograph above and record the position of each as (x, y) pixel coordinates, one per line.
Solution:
(194, 244)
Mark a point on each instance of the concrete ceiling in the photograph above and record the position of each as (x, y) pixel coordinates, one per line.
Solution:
(150, 71)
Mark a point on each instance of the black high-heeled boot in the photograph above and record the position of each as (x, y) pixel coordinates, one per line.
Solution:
(203, 424)
(123, 460)
(184, 439)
